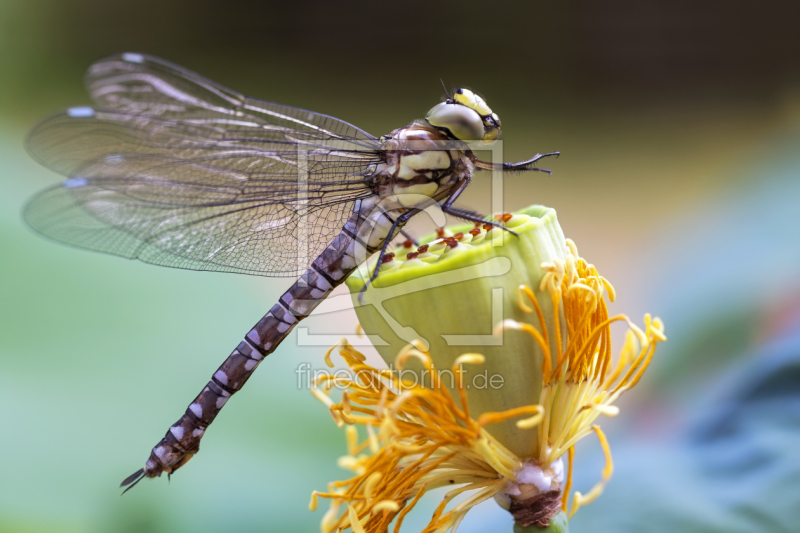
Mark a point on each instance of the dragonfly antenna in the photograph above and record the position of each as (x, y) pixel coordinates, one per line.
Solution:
(445, 89)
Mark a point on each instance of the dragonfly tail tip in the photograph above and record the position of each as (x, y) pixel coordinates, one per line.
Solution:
(133, 479)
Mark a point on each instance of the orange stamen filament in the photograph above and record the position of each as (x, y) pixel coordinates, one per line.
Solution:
(424, 440)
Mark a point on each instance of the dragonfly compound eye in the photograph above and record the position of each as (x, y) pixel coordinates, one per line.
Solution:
(466, 117)
(460, 121)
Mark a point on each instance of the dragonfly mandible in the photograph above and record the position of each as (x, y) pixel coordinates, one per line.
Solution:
(173, 169)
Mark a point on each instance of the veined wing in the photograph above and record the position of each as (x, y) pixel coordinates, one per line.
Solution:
(175, 170)
(143, 84)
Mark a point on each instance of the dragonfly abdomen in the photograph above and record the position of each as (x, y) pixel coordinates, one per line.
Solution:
(327, 271)
(182, 440)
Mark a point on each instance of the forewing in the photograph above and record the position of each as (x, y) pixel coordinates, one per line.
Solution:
(174, 170)
(143, 84)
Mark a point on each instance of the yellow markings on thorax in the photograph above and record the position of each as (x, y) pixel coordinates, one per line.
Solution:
(409, 195)
(414, 177)
(415, 164)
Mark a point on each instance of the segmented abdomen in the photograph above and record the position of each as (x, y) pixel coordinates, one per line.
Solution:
(329, 270)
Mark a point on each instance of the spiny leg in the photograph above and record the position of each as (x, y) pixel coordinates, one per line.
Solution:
(408, 236)
(514, 167)
(525, 165)
(402, 219)
(447, 207)
(475, 217)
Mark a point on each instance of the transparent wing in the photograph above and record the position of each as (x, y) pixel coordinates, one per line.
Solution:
(175, 170)
(145, 85)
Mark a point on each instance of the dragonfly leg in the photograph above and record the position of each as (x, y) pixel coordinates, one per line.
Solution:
(520, 166)
(405, 234)
(475, 217)
(399, 221)
(447, 207)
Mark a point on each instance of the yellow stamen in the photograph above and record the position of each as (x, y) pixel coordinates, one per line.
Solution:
(579, 499)
(355, 523)
(312, 505)
(386, 505)
(568, 482)
(425, 440)
(494, 418)
(469, 358)
(352, 440)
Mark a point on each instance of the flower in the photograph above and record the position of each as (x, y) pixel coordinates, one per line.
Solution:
(423, 434)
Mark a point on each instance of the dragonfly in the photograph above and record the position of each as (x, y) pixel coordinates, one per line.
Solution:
(173, 169)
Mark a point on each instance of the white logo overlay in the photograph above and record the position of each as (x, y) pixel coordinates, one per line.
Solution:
(430, 210)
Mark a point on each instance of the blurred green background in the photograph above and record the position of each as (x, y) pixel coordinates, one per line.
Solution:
(679, 126)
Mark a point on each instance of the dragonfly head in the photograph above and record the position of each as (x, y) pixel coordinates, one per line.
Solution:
(465, 117)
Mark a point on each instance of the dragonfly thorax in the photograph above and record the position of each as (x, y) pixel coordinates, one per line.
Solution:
(420, 165)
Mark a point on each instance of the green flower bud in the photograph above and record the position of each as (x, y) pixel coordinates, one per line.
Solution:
(452, 292)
